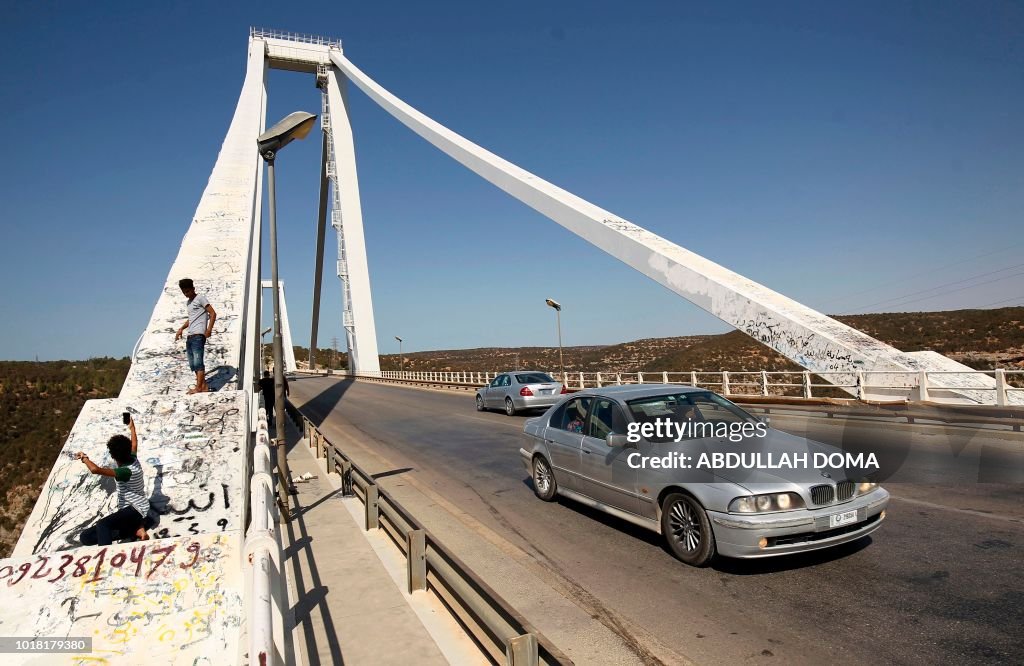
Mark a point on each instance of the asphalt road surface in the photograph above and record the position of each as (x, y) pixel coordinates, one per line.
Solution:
(941, 582)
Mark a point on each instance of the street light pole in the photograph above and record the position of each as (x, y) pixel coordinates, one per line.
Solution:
(558, 318)
(279, 439)
(295, 126)
(401, 359)
(268, 329)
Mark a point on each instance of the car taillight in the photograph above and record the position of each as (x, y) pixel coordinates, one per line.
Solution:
(564, 390)
(525, 391)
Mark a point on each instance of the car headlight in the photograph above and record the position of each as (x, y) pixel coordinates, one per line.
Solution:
(865, 487)
(766, 503)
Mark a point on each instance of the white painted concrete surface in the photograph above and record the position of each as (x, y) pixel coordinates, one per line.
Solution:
(288, 348)
(173, 601)
(190, 448)
(363, 338)
(215, 253)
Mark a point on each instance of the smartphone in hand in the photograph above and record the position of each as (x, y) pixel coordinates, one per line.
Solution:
(126, 417)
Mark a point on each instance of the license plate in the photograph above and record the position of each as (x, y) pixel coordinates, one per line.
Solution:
(844, 518)
(545, 391)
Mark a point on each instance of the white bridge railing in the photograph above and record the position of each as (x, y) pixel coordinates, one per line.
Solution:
(924, 385)
(262, 561)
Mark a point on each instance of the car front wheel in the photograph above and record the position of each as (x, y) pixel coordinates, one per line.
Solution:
(510, 408)
(687, 530)
(479, 403)
(544, 485)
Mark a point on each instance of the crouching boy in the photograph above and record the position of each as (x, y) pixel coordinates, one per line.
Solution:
(132, 504)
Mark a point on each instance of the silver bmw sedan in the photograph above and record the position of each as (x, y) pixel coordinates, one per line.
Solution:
(518, 391)
(696, 468)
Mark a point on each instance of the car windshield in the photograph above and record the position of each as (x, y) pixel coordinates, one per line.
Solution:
(534, 378)
(680, 408)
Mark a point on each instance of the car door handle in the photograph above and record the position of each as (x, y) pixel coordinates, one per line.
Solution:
(586, 451)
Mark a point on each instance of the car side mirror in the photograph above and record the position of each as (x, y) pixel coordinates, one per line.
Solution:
(613, 440)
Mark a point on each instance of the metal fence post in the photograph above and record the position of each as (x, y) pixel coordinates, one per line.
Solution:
(618, 379)
(693, 378)
(1000, 387)
(922, 385)
(346, 475)
(599, 384)
(582, 385)
(522, 651)
(807, 384)
(725, 382)
(664, 377)
(372, 514)
(639, 377)
(764, 383)
(860, 384)
(416, 548)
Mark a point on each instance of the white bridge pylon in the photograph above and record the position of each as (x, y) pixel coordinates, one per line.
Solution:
(809, 338)
(286, 329)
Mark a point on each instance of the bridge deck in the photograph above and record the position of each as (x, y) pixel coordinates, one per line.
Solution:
(346, 586)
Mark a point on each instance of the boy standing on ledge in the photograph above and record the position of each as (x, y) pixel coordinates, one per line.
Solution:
(132, 503)
(201, 316)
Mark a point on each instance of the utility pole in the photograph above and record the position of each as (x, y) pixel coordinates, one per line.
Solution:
(334, 347)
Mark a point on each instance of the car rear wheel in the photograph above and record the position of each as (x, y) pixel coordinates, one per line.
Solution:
(544, 485)
(687, 530)
(510, 407)
(479, 403)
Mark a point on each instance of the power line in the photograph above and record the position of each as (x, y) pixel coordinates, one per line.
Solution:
(953, 291)
(927, 272)
(941, 286)
(1005, 300)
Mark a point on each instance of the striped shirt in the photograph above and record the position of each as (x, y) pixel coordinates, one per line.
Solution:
(131, 487)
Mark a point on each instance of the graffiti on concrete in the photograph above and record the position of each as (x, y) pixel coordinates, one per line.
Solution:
(191, 453)
(169, 601)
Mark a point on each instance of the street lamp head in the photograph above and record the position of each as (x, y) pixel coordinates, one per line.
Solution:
(293, 126)
(398, 338)
(553, 304)
(268, 329)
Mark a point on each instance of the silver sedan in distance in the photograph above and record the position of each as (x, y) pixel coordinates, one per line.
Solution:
(599, 447)
(519, 390)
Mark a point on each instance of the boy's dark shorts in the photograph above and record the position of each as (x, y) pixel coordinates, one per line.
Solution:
(194, 346)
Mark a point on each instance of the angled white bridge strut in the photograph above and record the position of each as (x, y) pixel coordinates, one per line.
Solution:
(811, 339)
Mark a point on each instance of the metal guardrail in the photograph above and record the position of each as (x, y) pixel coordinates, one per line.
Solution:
(302, 38)
(1004, 417)
(876, 385)
(501, 632)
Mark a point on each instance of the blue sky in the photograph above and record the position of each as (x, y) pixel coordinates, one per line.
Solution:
(845, 155)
